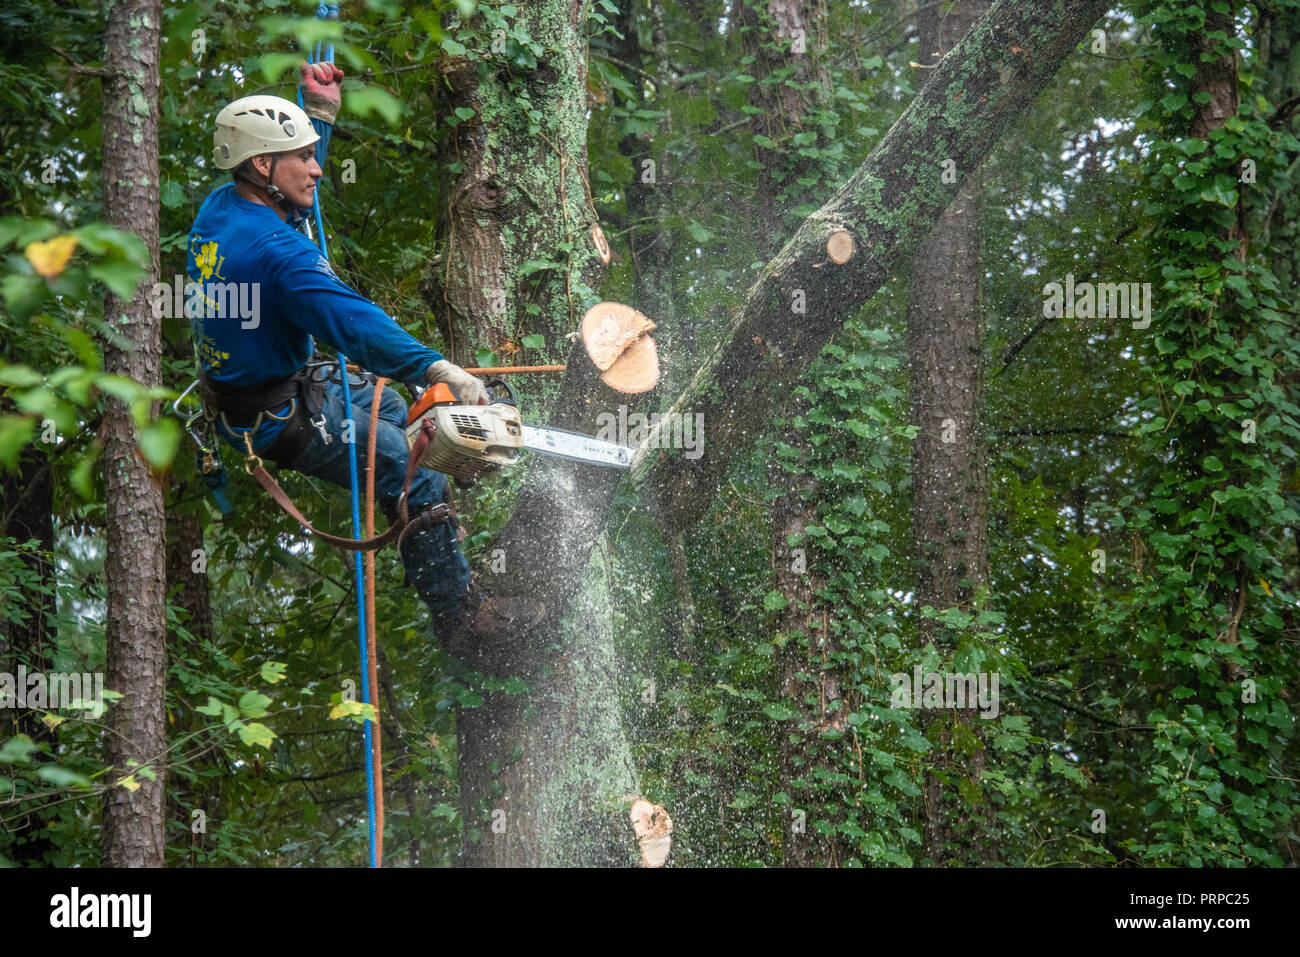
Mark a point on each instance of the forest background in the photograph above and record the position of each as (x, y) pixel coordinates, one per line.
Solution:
(914, 467)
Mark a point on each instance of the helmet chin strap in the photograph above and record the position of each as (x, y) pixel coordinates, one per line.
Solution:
(272, 191)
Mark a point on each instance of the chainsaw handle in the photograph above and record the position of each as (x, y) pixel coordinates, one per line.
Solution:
(441, 394)
(500, 393)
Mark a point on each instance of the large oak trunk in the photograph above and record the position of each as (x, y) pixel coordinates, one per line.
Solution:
(544, 774)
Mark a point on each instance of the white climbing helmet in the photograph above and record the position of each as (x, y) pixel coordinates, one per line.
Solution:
(260, 124)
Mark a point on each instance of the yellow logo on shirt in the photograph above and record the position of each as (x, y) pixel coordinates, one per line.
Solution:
(208, 259)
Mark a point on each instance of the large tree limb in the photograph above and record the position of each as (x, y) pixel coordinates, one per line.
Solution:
(888, 207)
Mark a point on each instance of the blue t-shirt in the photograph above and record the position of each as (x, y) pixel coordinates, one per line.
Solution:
(267, 291)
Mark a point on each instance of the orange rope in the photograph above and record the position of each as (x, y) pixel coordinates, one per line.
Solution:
(495, 370)
(507, 370)
(369, 559)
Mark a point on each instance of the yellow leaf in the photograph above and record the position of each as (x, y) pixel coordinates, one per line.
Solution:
(130, 783)
(345, 708)
(1267, 590)
(52, 721)
(51, 256)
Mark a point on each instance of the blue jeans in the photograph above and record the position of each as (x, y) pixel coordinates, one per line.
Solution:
(432, 556)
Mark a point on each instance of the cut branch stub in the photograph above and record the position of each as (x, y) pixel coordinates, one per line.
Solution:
(619, 345)
(653, 828)
(840, 246)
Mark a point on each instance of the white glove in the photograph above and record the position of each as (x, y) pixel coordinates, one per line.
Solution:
(468, 388)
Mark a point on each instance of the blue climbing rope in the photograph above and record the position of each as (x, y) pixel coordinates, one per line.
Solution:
(325, 54)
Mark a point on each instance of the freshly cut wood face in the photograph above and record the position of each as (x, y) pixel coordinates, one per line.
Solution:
(609, 329)
(618, 343)
(840, 246)
(653, 828)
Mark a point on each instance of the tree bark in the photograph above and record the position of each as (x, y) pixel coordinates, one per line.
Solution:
(544, 773)
(134, 554)
(502, 207)
(945, 333)
(778, 34)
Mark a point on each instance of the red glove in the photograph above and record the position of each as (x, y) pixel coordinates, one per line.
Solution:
(322, 90)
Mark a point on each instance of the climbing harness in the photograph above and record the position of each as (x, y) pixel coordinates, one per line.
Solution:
(207, 458)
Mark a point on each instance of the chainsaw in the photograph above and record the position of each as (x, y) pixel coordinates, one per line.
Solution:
(470, 441)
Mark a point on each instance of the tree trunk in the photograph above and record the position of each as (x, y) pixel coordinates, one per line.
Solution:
(945, 333)
(546, 776)
(521, 195)
(134, 554)
(778, 35)
(651, 248)
(543, 773)
(184, 539)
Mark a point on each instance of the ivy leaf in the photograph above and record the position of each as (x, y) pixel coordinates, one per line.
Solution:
(534, 341)
(778, 711)
(17, 749)
(774, 601)
(373, 99)
(51, 256)
(62, 777)
(698, 232)
(159, 441)
(213, 707)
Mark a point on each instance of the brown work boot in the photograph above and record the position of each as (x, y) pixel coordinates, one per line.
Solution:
(487, 621)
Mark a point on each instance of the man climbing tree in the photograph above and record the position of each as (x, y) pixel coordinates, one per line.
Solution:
(261, 392)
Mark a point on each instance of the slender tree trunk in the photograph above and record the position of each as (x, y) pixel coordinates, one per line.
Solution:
(650, 244)
(134, 555)
(185, 554)
(778, 34)
(945, 332)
